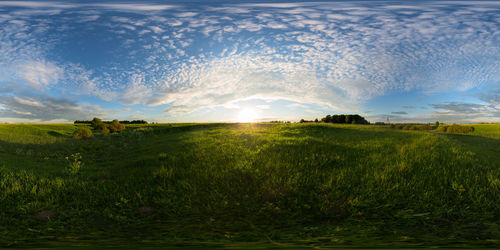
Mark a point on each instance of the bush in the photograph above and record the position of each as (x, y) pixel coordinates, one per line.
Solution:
(422, 127)
(82, 133)
(457, 129)
(441, 129)
(101, 126)
(105, 130)
(116, 126)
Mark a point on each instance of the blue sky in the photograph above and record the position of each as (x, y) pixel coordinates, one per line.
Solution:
(205, 61)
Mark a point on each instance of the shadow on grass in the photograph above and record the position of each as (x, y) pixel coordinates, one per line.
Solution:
(54, 133)
(487, 148)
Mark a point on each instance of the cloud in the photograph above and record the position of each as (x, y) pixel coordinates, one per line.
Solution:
(335, 54)
(459, 107)
(297, 105)
(41, 73)
(399, 113)
(33, 4)
(156, 29)
(137, 92)
(409, 107)
(491, 97)
(263, 106)
(45, 108)
(465, 112)
(132, 7)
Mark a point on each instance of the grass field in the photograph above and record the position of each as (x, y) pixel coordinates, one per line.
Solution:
(249, 185)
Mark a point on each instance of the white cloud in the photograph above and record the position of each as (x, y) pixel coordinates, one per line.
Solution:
(40, 73)
(133, 7)
(27, 102)
(156, 29)
(186, 14)
(137, 91)
(33, 4)
(297, 105)
(336, 54)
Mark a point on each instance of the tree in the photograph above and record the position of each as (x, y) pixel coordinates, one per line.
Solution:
(116, 126)
(316, 120)
(348, 119)
(96, 123)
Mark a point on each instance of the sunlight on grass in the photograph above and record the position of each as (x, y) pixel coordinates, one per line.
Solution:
(277, 184)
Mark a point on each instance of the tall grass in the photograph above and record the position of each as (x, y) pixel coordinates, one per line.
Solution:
(223, 183)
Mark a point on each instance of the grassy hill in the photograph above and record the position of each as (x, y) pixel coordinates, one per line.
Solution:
(249, 185)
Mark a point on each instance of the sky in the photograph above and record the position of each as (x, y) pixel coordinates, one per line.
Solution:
(235, 61)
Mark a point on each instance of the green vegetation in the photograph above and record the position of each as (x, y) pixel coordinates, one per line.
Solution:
(451, 129)
(82, 133)
(280, 184)
(114, 127)
(349, 119)
(455, 129)
(424, 127)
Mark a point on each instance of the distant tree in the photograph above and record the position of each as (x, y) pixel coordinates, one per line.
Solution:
(342, 118)
(437, 124)
(96, 123)
(316, 120)
(116, 126)
(328, 118)
(348, 119)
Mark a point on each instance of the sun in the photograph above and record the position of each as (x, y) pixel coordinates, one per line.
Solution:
(247, 115)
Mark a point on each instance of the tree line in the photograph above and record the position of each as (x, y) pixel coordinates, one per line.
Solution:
(109, 122)
(342, 118)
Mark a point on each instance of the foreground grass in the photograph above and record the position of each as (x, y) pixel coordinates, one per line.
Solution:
(251, 184)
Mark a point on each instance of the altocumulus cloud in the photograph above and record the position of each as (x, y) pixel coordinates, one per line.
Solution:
(185, 57)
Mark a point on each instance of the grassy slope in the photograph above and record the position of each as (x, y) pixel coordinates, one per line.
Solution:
(301, 184)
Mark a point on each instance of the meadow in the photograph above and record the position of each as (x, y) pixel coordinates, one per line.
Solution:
(249, 185)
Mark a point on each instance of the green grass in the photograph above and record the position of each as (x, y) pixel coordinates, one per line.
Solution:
(250, 185)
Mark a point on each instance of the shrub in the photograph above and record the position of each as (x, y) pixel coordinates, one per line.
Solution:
(457, 129)
(116, 126)
(105, 130)
(426, 127)
(82, 133)
(101, 126)
(441, 128)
